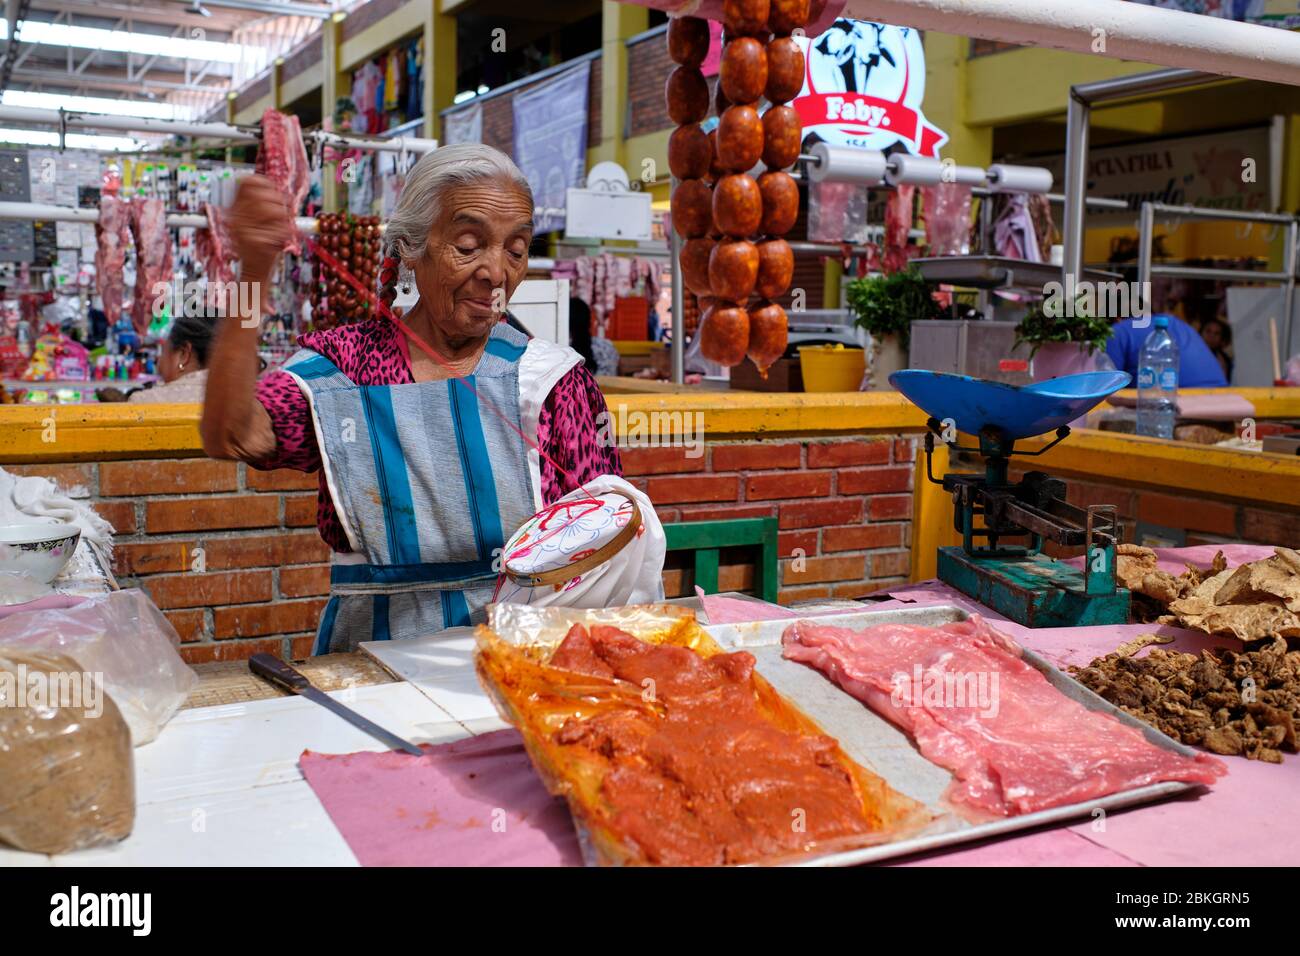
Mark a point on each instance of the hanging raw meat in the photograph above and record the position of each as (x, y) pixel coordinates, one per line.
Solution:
(898, 222)
(282, 158)
(153, 259)
(216, 253)
(110, 254)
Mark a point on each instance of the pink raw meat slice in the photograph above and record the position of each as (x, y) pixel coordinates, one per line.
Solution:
(973, 705)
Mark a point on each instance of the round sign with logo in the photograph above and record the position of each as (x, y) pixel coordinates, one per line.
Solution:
(863, 87)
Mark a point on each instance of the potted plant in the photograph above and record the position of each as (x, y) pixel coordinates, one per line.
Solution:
(1062, 341)
(885, 307)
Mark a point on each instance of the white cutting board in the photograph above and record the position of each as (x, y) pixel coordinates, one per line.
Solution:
(220, 786)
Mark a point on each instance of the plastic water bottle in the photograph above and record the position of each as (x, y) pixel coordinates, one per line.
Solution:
(1157, 382)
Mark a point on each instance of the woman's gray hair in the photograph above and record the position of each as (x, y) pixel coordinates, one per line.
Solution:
(407, 234)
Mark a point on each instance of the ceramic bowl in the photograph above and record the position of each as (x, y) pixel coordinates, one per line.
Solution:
(38, 551)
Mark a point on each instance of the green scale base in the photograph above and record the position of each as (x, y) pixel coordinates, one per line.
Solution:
(1036, 591)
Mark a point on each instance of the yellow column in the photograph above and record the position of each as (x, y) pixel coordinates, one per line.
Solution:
(439, 65)
(277, 99)
(230, 117)
(334, 83)
(947, 92)
(619, 21)
(832, 276)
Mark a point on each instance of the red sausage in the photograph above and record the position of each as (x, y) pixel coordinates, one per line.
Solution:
(743, 70)
(768, 335)
(784, 70)
(724, 334)
(695, 265)
(716, 171)
(737, 205)
(775, 268)
(780, 203)
(782, 136)
(687, 94)
(691, 207)
(786, 16)
(741, 138)
(689, 152)
(688, 40)
(745, 17)
(733, 269)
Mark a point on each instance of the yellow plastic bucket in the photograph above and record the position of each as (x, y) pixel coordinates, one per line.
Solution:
(831, 368)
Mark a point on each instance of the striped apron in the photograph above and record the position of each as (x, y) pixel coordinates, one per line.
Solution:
(428, 483)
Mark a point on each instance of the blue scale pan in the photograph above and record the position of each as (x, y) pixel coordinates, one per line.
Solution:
(1019, 411)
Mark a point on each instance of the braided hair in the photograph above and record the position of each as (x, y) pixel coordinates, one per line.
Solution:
(407, 234)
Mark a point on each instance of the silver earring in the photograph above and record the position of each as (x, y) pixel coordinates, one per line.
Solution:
(404, 280)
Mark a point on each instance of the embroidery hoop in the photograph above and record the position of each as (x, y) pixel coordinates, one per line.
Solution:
(567, 572)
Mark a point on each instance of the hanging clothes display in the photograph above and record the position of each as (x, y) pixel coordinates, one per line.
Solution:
(394, 72)
(604, 278)
(414, 79)
(366, 83)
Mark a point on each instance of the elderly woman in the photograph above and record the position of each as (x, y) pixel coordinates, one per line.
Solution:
(423, 477)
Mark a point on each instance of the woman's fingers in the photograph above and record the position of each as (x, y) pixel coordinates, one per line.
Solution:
(259, 221)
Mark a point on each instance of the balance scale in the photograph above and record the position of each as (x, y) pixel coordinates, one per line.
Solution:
(1017, 579)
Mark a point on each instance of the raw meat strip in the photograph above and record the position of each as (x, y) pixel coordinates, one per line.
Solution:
(110, 255)
(282, 158)
(216, 253)
(1014, 743)
(153, 258)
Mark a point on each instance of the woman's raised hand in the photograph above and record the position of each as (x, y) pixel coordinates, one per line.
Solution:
(259, 224)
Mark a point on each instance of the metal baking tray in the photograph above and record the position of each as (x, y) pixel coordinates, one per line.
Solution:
(888, 751)
(997, 272)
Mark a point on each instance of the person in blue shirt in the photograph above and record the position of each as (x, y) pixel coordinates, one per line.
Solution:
(1198, 368)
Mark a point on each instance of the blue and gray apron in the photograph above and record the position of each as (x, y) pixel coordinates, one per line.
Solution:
(428, 483)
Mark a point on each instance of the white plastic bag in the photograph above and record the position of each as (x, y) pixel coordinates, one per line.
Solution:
(123, 637)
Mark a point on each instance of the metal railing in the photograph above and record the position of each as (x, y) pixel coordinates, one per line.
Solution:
(1286, 277)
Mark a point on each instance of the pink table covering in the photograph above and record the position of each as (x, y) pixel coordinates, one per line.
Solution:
(394, 809)
(474, 802)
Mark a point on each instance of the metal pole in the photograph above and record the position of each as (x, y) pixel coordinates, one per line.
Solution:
(1129, 31)
(1076, 187)
(1146, 229)
(1288, 298)
(678, 343)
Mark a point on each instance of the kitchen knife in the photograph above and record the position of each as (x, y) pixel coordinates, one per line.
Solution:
(283, 675)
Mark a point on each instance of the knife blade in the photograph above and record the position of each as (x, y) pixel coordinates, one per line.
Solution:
(284, 675)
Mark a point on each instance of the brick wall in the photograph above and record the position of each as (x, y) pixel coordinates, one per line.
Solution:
(648, 67)
(1206, 520)
(264, 568)
(843, 506)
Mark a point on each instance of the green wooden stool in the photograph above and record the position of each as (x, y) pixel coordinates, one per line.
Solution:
(707, 538)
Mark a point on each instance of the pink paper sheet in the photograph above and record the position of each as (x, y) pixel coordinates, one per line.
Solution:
(474, 802)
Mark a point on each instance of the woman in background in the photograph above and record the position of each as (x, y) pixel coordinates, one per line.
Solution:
(182, 362)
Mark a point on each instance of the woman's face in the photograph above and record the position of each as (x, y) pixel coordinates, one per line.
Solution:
(174, 362)
(477, 254)
(1212, 334)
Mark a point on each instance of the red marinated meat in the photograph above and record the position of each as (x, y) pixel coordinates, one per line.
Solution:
(216, 253)
(965, 694)
(110, 254)
(153, 259)
(282, 158)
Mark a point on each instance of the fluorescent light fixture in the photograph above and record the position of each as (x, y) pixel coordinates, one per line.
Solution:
(464, 96)
(93, 104)
(120, 41)
(41, 137)
(482, 88)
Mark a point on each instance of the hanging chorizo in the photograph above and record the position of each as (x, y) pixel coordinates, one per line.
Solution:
(782, 137)
(733, 269)
(737, 205)
(780, 203)
(775, 268)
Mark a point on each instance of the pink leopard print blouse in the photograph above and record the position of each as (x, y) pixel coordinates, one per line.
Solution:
(375, 353)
